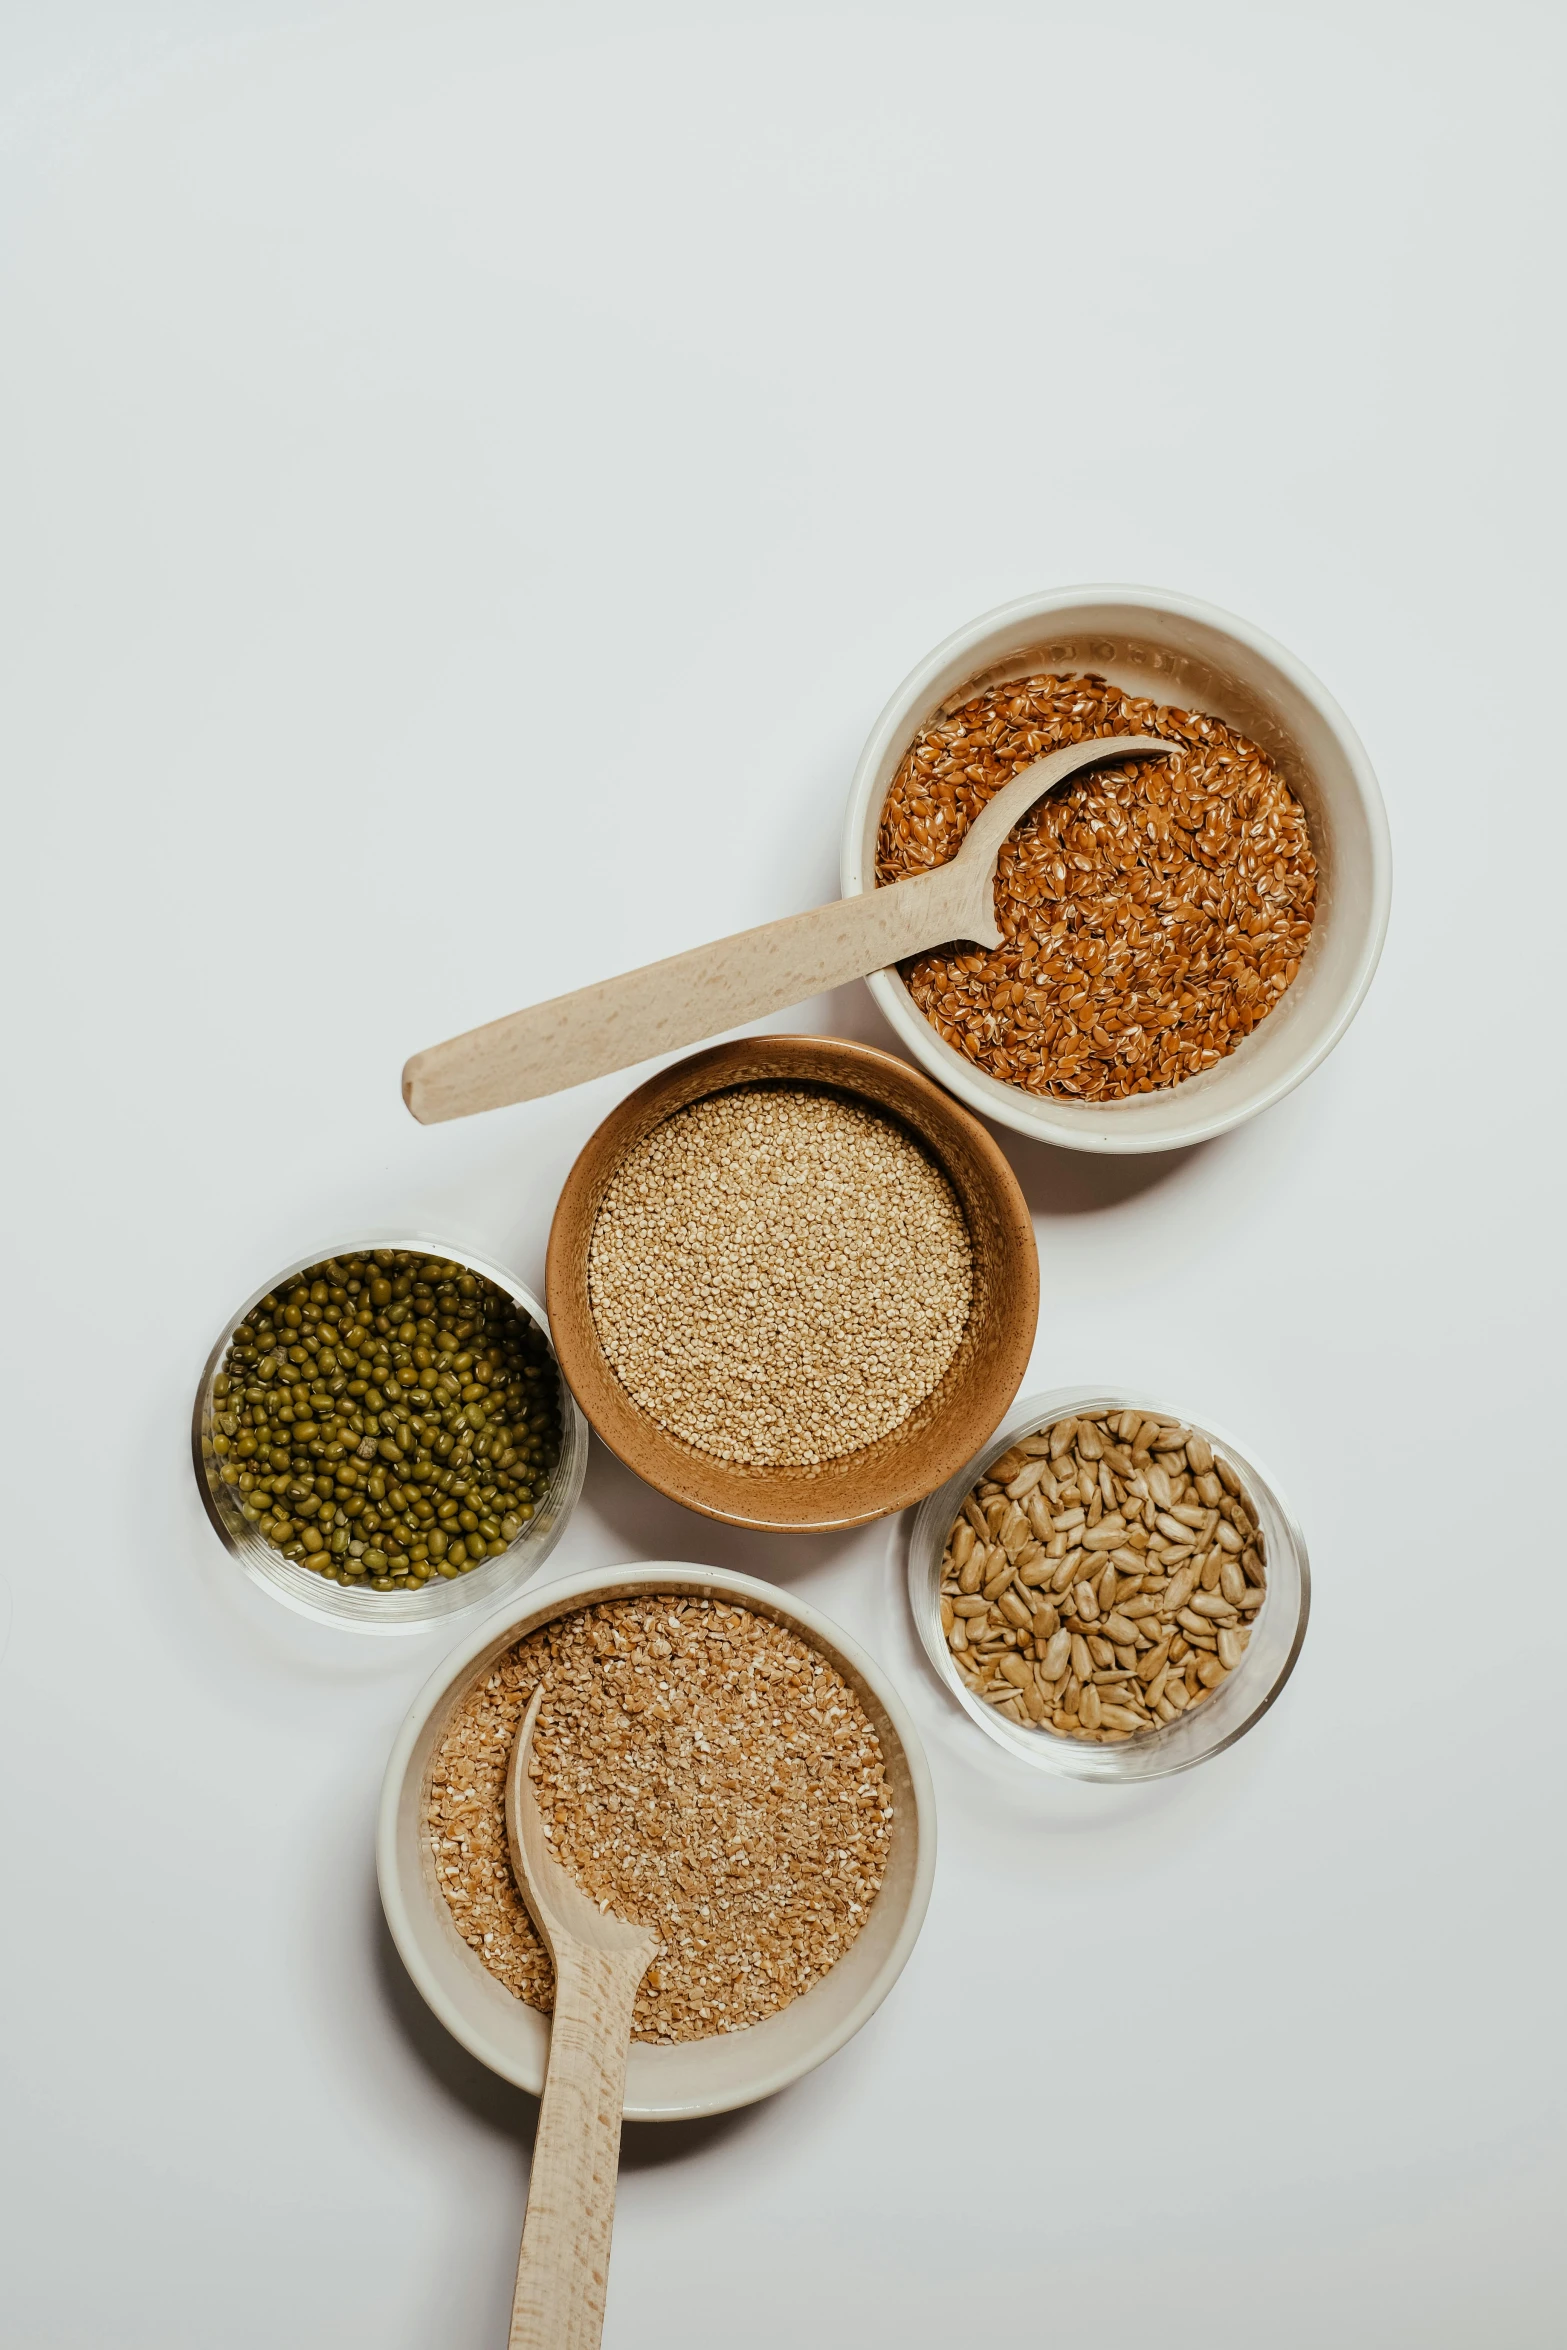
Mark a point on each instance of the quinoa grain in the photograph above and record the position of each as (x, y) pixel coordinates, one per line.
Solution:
(779, 1275)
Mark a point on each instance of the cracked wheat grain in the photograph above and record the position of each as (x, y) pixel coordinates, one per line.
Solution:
(706, 1772)
(779, 1275)
(1152, 912)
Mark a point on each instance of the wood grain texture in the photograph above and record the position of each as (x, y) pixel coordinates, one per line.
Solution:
(563, 2266)
(657, 1009)
(941, 1433)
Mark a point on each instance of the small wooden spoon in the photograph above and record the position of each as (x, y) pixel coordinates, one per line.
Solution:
(563, 2267)
(678, 1002)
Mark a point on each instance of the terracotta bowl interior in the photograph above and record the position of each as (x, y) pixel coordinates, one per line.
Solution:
(694, 2076)
(941, 1433)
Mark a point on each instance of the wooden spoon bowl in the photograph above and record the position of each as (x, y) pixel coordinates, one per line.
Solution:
(940, 1433)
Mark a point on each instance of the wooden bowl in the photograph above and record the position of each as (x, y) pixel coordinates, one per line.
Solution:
(941, 1433)
(692, 2077)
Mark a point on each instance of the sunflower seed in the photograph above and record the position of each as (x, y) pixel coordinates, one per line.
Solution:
(1157, 1613)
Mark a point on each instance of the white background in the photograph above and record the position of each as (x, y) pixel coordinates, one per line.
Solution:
(471, 477)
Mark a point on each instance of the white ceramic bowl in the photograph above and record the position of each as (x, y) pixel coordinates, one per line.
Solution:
(1168, 647)
(695, 2076)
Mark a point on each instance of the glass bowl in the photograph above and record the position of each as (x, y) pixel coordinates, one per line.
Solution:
(484, 1585)
(1240, 1700)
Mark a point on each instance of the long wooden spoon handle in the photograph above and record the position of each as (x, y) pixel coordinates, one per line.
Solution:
(563, 2267)
(667, 1005)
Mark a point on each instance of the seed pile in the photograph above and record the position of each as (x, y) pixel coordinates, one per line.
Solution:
(1152, 912)
(779, 1275)
(1103, 1578)
(705, 1772)
(387, 1418)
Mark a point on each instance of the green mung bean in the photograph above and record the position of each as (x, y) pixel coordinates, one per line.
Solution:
(386, 1418)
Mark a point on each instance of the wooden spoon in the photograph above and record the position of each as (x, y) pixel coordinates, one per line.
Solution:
(678, 1002)
(563, 2267)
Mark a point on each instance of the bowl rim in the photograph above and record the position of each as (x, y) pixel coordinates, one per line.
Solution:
(518, 1563)
(1055, 1757)
(1032, 1115)
(675, 1469)
(561, 1596)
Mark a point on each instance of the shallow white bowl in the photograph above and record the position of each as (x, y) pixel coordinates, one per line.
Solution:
(697, 2076)
(1173, 649)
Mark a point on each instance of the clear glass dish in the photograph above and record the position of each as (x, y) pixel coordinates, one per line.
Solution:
(1241, 1699)
(439, 1600)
